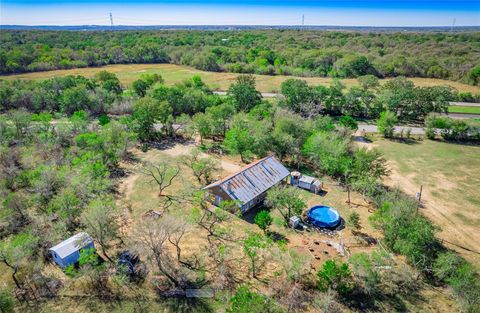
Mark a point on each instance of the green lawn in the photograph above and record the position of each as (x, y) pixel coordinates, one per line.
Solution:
(463, 109)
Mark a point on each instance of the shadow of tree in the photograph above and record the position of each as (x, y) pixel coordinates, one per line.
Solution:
(275, 236)
(407, 141)
(365, 237)
(168, 143)
(361, 139)
(187, 305)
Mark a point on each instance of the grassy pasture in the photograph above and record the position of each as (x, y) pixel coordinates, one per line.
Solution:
(172, 74)
(450, 175)
(464, 109)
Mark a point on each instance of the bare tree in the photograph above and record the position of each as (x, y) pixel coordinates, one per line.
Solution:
(101, 222)
(291, 295)
(202, 167)
(15, 253)
(154, 237)
(210, 219)
(12, 265)
(163, 174)
(151, 238)
(223, 266)
(176, 229)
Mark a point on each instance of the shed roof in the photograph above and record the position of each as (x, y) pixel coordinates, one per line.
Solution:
(310, 180)
(252, 180)
(72, 244)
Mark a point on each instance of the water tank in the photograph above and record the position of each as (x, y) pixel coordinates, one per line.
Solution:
(295, 178)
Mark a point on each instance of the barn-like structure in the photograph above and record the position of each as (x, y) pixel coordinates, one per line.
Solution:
(249, 186)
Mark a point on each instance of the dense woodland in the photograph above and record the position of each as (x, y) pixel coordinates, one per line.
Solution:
(61, 144)
(453, 56)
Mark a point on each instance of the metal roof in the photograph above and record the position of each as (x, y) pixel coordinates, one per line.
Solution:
(309, 180)
(72, 244)
(252, 180)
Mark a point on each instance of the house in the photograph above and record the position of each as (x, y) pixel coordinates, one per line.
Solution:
(306, 182)
(249, 186)
(68, 252)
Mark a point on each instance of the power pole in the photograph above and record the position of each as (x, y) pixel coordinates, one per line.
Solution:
(111, 20)
(418, 195)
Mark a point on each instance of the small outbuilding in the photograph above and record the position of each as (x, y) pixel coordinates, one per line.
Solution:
(249, 186)
(306, 182)
(68, 252)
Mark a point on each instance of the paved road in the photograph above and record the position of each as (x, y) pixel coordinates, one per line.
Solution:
(274, 95)
(465, 104)
(264, 94)
(368, 128)
(463, 115)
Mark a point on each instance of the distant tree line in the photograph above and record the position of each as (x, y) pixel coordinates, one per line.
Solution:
(451, 56)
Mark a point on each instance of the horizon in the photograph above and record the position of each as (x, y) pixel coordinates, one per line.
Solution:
(368, 13)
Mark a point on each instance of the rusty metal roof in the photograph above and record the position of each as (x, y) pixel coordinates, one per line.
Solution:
(252, 180)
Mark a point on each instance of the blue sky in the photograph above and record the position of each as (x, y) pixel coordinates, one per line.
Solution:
(265, 12)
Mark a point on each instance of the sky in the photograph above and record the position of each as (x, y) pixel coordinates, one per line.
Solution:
(237, 12)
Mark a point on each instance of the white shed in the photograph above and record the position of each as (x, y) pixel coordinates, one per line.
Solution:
(306, 182)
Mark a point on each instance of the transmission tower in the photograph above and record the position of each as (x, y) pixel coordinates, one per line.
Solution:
(303, 19)
(453, 24)
(111, 20)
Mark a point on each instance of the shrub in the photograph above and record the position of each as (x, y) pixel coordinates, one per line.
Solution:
(466, 284)
(430, 132)
(263, 219)
(461, 276)
(103, 119)
(407, 232)
(386, 123)
(246, 301)
(446, 265)
(335, 276)
(70, 271)
(7, 303)
(349, 122)
(354, 220)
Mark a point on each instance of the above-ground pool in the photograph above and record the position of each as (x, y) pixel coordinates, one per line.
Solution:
(323, 216)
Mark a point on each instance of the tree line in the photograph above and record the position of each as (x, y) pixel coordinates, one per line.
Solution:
(451, 56)
(104, 94)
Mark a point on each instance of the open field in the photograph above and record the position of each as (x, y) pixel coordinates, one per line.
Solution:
(464, 109)
(450, 176)
(172, 74)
